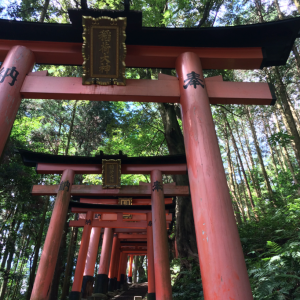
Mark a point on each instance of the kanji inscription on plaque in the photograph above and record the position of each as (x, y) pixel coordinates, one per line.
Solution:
(104, 50)
(111, 173)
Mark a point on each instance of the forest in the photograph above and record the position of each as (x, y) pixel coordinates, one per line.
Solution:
(259, 145)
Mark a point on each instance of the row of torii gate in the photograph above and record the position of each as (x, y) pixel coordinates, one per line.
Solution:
(188, 50)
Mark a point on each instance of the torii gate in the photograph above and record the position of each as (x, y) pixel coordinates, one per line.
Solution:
(189, 50)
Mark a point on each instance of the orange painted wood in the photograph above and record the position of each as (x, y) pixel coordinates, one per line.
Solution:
(143, 90)
(115, 201)
(91, 257)
(81, 260)
(71, 88)
(142, 56)
(23, 60)
(110, 224)
(140, 252)
(136, 217)
(132, 236)
(168, 169)
(222, 263)
(96, 190)
(163, 288)
(130, 266)
(150, 256)
(106, 251)
(44, 275)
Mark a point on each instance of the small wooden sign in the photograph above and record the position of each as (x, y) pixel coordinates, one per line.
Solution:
(111, 173)
(125, 201)
(104, 50)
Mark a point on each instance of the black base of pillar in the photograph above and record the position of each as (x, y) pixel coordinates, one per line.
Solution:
(112, 284)
(118, 285)
(151, 296)
(130, 279)
(122, 279)
(75, 296)
(115, 283)
(101, 284)
(87, 286)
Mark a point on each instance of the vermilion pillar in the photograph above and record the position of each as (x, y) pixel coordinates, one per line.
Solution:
(130, 269)
(44, 275)
(78, 276)
(123, 271)
(163, 288)
(88, 274)
(116, 266)
(223, 269)
(101, 284)
(17, 64)
(111, 274)
(121, 263)
(151, 277)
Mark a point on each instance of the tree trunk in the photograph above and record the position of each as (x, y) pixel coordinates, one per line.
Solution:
(44, 11)
(287, 113)
(242, 167)
(258, 151)
(185, 228)
(265, 128)
(237, 208)
(71, 251)
(243, 188)
(134, 273)
(11, 248)
(37, 249)
(141, 268)
(59, 268)
(71, 127)
(255, 184)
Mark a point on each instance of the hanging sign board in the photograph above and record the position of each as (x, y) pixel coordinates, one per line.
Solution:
(111, 173)
(104, 50)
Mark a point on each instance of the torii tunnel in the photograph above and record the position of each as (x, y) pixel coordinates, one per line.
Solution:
(189, 51)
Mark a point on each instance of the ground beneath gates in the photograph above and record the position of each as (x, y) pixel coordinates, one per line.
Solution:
(137, 289)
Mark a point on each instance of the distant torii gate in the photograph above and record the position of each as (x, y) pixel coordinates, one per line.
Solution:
(223, 269)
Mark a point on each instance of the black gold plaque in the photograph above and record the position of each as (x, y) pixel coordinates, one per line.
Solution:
(104, 50)
(126, 201)
(111, 173)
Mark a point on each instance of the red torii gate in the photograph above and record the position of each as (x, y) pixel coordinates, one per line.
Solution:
(223, 269)
(159, 269)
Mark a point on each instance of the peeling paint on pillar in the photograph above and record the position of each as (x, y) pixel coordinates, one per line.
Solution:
(17, 64)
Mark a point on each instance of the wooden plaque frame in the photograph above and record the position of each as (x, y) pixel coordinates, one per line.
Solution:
(111, 173)
(104, 51)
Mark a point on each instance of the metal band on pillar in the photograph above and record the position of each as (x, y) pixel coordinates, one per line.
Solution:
(223, 269)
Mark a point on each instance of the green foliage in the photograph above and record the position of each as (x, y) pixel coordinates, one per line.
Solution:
(280, 138)
(186, 283)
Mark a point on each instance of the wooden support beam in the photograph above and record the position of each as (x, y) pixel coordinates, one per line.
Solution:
(132, 236)
(143, 90)
(135, 217)
(168, 169)
(97, 190)
(115, 201)
(63, 53)
(110, 224)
